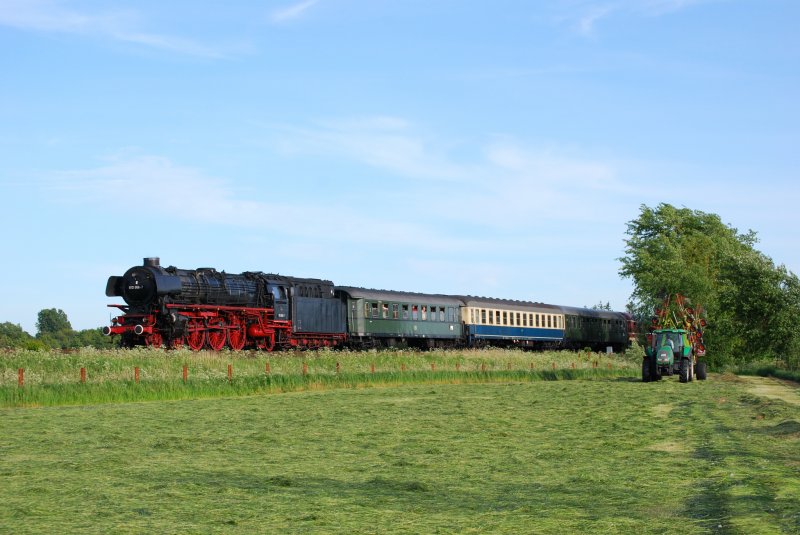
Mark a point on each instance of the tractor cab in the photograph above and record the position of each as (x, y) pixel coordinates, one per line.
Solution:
(669, 346)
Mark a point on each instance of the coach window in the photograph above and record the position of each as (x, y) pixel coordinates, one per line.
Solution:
(441, 314)
(385, 310)
(491, 317)
(424, 312)
(366, 309)
(405, 312)
(395, 309)
(537, 320)
(483, 316)
(451, 314)
(414, 313)
(374, 310)
(524, 320)
(505, 318)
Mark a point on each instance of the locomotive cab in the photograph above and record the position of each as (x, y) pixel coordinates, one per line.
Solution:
(280, 299)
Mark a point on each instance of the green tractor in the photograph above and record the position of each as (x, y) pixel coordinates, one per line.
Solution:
(671, 351)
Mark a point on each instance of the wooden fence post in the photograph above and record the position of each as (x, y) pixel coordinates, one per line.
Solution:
(372, 368)
(305, 368)
(136, 374)
(185, 373)
(83, 375)
(266, 368)
(337, 368)
(230, 373)
(21, 377)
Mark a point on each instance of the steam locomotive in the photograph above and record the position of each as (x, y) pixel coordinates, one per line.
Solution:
(206, 308)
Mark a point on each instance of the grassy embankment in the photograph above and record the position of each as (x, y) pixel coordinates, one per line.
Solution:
(53, 378)
(611, 455)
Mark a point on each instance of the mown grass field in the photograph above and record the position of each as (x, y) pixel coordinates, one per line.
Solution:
(599, 455)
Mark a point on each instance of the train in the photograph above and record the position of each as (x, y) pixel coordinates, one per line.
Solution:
(209, 309)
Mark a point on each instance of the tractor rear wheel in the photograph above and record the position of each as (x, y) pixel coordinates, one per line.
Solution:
(645, 370)
(702, 371)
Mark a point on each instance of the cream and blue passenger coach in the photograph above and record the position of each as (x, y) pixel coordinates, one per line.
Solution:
(521, 323)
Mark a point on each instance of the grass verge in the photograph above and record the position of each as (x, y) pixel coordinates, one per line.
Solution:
(52, 378)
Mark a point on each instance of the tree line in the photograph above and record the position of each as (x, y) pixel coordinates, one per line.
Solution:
(752, 305)
(53, 331)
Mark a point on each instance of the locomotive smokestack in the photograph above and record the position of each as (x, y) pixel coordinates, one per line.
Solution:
(152, 261)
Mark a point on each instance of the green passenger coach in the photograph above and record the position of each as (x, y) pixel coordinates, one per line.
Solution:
(399, 319)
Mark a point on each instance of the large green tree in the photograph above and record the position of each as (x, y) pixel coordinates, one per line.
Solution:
(751, 304)
(53, 328)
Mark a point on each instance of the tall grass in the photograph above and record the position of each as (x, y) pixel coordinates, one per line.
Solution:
(53, 378)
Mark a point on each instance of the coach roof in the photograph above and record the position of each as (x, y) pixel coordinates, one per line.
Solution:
(391, 295)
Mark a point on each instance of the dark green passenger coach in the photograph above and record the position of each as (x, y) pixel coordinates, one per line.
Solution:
(399, 319)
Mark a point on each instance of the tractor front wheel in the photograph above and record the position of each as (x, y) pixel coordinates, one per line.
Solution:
(686, 373)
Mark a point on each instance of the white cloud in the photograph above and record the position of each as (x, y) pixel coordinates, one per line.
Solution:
(384, 142)
(156, 184)
(292, 12)
(51, 16)
(502, 179)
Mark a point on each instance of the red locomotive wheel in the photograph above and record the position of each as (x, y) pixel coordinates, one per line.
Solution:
(154, 340)
(196, 335)
(237, 335)
(217, 334)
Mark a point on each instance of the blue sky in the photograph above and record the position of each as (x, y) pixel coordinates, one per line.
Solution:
(486, 148)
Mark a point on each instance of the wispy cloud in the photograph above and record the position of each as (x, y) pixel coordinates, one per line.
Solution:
(291, 12)
(388, 143)
(585, 15)
(183, 192)
(501, 177)
(52, 17)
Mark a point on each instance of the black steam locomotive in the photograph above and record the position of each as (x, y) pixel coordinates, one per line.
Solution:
(206, 308)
